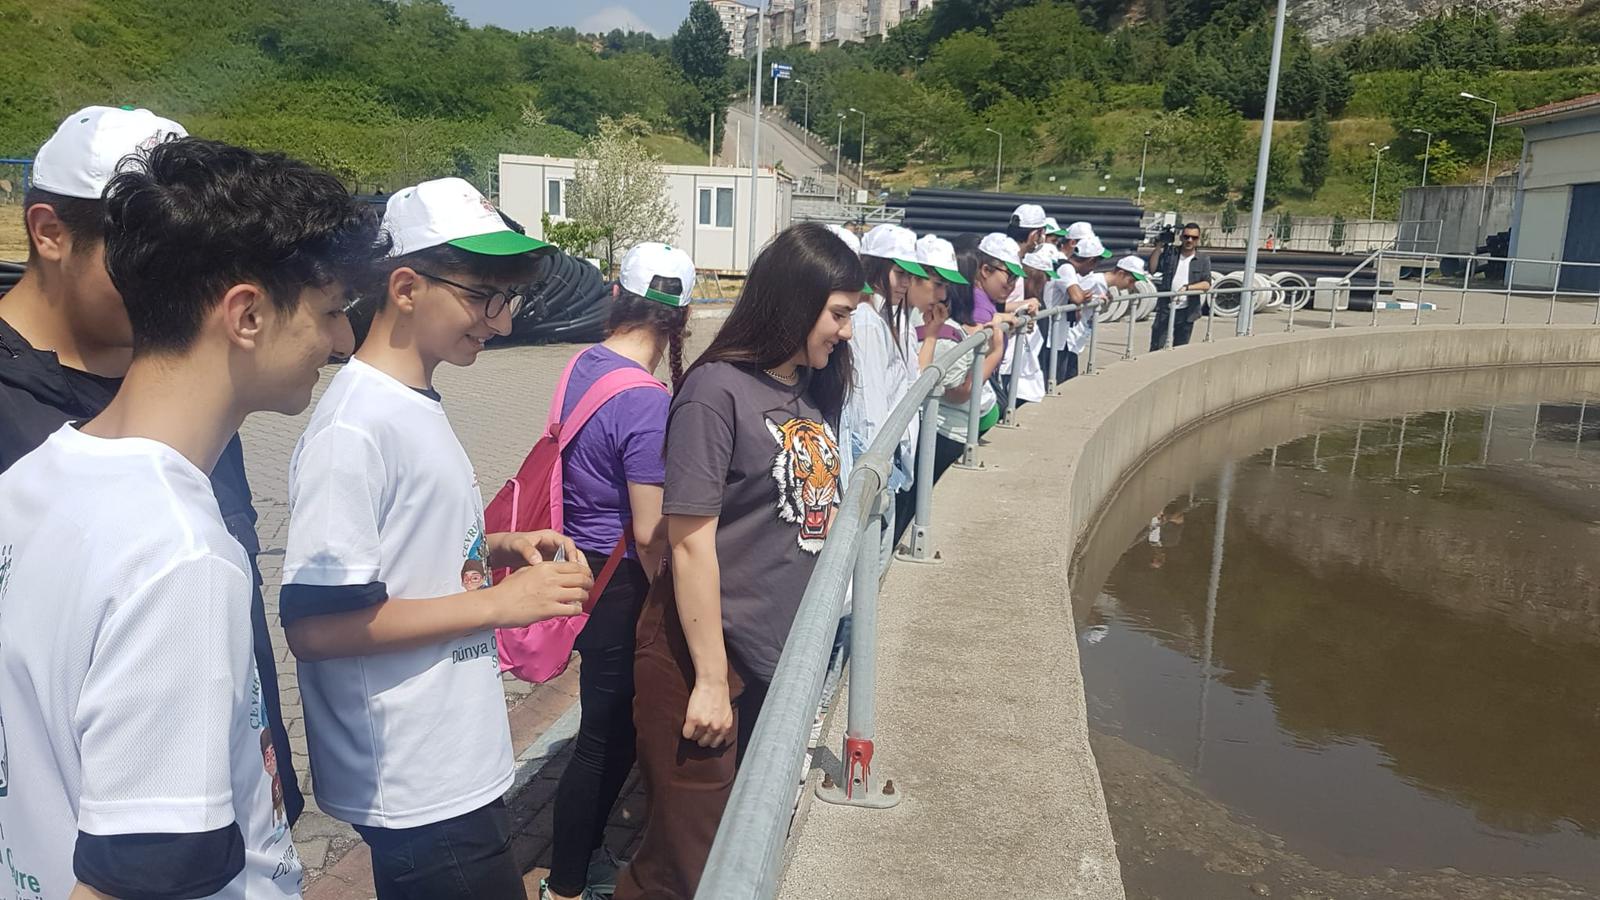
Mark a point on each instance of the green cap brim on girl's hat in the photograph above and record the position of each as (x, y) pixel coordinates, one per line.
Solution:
(499, 243)
(1105, 254)
(867, 289)
(914, 268)
(950, 275)
(1016, 269)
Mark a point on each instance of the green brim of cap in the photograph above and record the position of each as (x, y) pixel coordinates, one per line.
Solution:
(1059, 232)
(1015, 269)
(664, 297)
(1137, 276)
(914, 268)
(867, 289)
(1105, 254)
(499, 243)
(950, 275)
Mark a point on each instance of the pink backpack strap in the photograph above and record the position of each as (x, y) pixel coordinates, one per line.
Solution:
(600, 393)
(559, 400)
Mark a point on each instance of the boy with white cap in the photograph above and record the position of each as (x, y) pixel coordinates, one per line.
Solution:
(139, 764)
(66, 342)
(1027, 226)
(405, 715)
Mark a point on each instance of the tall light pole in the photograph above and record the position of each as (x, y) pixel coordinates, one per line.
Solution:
(861, 158)
(1488, 154)
(1142, 155)
(999, 156)
(1372, 212)
(1247, 302)
(1426, 152)
(755, 143)
(838, 156)
(807, 85)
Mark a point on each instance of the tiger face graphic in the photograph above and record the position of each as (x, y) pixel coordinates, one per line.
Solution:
(806, 468)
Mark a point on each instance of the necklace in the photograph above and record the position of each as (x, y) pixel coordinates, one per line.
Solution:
(792, 378)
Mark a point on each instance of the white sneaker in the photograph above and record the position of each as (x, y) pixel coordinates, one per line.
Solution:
(544, 892)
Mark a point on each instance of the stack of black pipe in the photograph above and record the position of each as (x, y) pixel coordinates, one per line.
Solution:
(569, 302)
(948, 213)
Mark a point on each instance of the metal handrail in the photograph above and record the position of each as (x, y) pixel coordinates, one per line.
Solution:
(747, 855)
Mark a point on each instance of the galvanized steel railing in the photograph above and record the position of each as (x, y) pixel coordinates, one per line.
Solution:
(747, 856)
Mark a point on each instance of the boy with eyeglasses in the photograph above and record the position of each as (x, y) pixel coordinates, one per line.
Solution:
(399, 671)
(1182, 268)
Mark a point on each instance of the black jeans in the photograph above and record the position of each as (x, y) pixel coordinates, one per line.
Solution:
(604, 751)
(1181, 329)
(468, 856)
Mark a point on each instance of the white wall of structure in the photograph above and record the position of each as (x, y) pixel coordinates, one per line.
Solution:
(1558, 158)
(713, 204)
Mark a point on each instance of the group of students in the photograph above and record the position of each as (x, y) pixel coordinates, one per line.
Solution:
(176, 285)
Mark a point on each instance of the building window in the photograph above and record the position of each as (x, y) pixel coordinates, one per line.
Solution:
(556, 197)
(716, 207)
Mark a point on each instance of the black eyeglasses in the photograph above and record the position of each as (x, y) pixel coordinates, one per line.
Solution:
(493, 303)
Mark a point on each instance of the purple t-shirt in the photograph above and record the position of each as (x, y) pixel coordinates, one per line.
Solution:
(622, 442)
(983, 307)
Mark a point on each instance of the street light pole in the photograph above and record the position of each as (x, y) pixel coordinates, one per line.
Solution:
(1426, 152)
(1488, 154)
(755, 146)
(807, 85)
(1143, 154)
(1247, 302)
(999, 157)
(1372, 212)
(838, 156)
(861, 158)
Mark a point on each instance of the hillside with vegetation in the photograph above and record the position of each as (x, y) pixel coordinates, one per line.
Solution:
(1074, 100)
(382, 93)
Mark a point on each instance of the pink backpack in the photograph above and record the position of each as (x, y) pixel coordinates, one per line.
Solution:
(532, 500)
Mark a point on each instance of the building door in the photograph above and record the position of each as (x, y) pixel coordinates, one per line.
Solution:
(1583, 240)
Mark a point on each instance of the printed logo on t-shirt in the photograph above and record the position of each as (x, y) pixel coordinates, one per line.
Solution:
(475, 576)
(806, 468)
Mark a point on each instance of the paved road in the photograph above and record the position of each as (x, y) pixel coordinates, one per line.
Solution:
(777, 145)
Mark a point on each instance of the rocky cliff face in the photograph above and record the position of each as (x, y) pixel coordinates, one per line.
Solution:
(1326, 21)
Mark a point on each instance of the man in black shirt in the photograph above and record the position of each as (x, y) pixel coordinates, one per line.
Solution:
(65, 341)
(1183, 268)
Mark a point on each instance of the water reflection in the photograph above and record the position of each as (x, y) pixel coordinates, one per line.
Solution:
(1376, 638)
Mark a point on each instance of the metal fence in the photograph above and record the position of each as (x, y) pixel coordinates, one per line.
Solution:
(747, 857)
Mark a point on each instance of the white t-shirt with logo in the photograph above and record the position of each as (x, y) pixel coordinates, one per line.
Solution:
(380, 490)
(129, 701)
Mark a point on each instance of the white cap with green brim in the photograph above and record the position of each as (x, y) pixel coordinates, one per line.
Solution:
(1134, 266)
(844, 234)
(892, 242)
(1029, 215)
(936, 253)
(1003, 248)
(451, 211)
(658, 272)
(1042, 259)
(1079, 231)
(88, 147)
(1091, 248)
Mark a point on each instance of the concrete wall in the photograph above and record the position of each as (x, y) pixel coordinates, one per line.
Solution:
(524, 192)
(1457, 208)
(1160, 396)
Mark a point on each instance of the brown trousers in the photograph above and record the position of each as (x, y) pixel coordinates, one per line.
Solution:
(686, 785)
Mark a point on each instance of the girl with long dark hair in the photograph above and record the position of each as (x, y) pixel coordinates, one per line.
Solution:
(752, 483)
(612, 475)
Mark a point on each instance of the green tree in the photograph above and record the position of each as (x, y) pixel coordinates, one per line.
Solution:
(1215, 139)
(700, 46)
(969, 64)
(1336, 233)
(618, 186)
(1315, 159)
(1045, 43)
(1230, 217)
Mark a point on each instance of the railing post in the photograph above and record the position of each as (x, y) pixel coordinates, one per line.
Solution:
(1209, 299)
(1461, 314)
(1377, 285)
(862, 786)
(969, 454)
(1422, 288)
(921, 543)
(1050, 376)
(1505, 310)
(1333, 306)
(1086, 362)
(1018, 343)
(1172, 322)
(1133, 313)
(1555, 288)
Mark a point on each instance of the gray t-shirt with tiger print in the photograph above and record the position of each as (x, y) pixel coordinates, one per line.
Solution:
(758, 454)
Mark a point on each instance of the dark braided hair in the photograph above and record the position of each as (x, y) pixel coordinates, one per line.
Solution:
(630, 311)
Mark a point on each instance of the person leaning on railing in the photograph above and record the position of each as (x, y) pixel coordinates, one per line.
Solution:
(752, 483)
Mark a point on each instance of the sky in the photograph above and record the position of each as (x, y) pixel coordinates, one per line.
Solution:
(659, 16)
